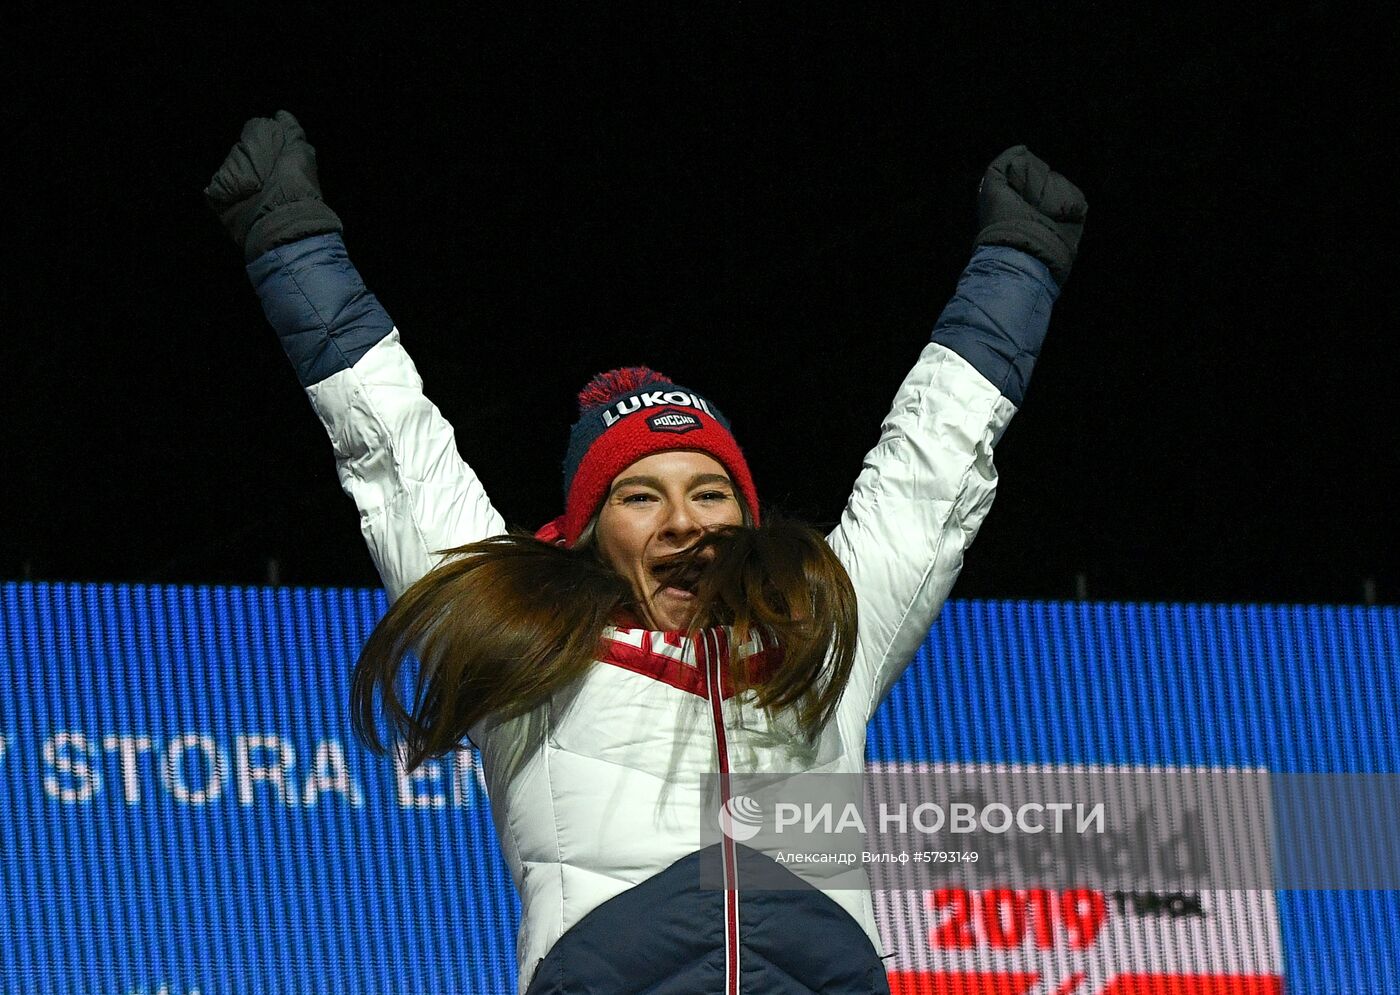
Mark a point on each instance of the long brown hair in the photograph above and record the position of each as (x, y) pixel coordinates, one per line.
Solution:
(502, 624)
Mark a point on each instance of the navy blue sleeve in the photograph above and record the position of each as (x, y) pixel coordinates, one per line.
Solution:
(998, 317)
(313, 296)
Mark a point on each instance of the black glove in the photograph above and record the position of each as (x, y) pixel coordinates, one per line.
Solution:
(1025, 204)
(266, 192)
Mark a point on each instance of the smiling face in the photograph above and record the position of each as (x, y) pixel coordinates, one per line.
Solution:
(659, 506)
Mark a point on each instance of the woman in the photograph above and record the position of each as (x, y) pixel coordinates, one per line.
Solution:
(658, 633)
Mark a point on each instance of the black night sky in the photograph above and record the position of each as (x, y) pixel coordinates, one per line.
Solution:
(769, 204)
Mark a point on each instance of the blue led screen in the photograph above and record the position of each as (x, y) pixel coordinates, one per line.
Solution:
(187, 813)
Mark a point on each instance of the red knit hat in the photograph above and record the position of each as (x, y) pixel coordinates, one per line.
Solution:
(625, 415)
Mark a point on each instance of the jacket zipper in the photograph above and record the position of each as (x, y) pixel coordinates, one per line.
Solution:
(711, 656)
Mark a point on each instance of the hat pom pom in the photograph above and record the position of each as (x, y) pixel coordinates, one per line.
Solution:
(608, 387)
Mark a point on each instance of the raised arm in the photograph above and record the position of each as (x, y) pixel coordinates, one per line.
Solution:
(396, 455)
(928, 483)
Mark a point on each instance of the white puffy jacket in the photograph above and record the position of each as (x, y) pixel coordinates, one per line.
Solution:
(604, 787)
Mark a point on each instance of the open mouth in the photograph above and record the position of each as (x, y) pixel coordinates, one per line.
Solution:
(681, 577)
